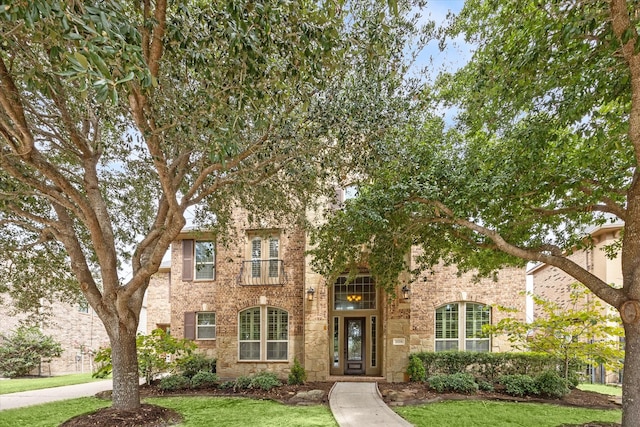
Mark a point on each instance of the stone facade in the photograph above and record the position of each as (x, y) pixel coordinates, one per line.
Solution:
(318, 327)
(80, 332)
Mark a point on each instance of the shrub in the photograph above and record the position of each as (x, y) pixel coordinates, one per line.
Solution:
(204, 379)
(416, 370)
(551, 384)
(265, 381)
(460, 383)
(491, 366)
(298, 374)
(152, 352)
(174, 382)
(485, 386)
(23, 351)
(242, 382)
(227, 385)
(195, 363)
(519, 385)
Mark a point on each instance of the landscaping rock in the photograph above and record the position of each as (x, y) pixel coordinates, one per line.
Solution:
(312, 397)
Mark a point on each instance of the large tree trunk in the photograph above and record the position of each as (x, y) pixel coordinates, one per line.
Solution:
(126, 393)
(631, 379)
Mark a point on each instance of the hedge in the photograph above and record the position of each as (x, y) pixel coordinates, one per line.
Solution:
(490, 366)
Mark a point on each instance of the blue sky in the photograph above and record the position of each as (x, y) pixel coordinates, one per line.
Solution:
(457, 52)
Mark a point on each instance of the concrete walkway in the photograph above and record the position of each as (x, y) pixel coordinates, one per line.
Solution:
(356, 404)
(35, 397)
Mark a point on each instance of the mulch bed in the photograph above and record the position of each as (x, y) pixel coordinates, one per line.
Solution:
(410, 394)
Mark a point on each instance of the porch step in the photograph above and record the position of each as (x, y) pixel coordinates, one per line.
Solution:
(356, 379)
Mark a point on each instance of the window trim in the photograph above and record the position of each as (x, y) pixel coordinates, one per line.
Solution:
(461, 326)
(198, 326)
(196, 263)
(263, 333)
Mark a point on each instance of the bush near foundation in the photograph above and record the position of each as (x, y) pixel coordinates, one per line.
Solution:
(489, 367)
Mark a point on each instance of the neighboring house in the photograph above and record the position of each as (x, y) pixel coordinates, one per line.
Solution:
(76, 327)
(255, 304)
(553, 284)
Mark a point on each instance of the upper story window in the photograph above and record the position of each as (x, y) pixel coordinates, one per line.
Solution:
(205, 260)
(462, 332)
(263, 264)
(263, 334)
(198, 260)
(264, 256)
(359, 294)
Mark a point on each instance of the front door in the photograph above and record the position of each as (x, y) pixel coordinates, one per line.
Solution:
(354, 345)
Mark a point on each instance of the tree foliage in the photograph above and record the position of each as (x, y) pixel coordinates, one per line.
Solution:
(544, 147)
(117, 118)
(578, 329)
(24, 350)
(158, 353)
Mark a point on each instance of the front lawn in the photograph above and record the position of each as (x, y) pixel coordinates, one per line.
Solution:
(36, 383)
(197, 411)
(611, 390)
(501, 414)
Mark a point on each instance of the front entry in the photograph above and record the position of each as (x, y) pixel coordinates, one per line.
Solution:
(354, 327)
(354, 345)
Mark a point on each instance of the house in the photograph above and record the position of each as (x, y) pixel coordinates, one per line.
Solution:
(254, 303)
(552, 284)
(75, 326)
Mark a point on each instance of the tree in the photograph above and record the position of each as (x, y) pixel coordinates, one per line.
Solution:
(579, 330)
(153, 350)
(115, 118)
(25, 350)
(545, 145)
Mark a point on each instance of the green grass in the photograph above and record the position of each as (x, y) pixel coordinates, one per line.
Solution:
(239, 412)
(232, 412)
(500, 414)
(50, 414)
(197, 411)
(602, 388)
(36, 383)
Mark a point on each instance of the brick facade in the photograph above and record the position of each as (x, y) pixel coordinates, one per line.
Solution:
(394, 328)
(80, 335)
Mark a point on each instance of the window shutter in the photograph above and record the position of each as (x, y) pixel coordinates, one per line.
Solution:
(190, 325)
(187, 260)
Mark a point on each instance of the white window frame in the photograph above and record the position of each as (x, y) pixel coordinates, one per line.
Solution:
(266, 335)
(206, 326)
(197, 264)
(461, 338)
(266, 272)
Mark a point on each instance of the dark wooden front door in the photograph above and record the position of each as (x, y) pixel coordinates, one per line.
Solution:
(354, 345)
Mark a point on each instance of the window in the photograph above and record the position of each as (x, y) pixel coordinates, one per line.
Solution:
(206, 326)
(198, 257)
(205, 260)
(455, 332)
(263, 334)
(360, 294)
(263, 265)
(264, 257)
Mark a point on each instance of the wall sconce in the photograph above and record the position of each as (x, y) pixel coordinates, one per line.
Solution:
(406, 292)
(310, 293)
